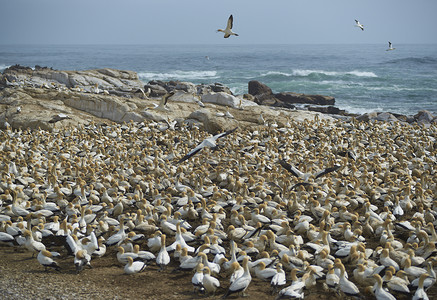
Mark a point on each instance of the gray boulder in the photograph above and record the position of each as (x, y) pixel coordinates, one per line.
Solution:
(257, 88)
(221, 98)
(294, 98)
(386, 116)
(155, 90)
(424, 116)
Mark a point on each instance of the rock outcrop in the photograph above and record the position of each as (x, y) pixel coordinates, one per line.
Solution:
(422, 117)
(295, 98)
(103, 79)
(265, 96)
(257, 88)
(49, 99)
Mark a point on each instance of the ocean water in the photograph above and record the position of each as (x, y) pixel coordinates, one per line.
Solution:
(362, 78)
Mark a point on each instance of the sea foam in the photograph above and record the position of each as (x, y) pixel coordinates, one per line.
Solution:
(178, 75)
(305, 73)
(3, 67)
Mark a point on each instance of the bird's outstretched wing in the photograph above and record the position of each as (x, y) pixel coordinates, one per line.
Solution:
(290, 168)
(205, 143)
(166, 96)
(220, 135)
(230, 22)
(326, 171)
(189, 154)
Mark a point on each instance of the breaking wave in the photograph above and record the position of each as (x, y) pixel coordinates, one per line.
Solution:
(305, 73)
(178, 75)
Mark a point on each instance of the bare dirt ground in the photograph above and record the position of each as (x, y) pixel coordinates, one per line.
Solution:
(22, 277)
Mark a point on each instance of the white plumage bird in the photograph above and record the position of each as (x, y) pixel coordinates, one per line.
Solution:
(133, 267)
(228, 30)
(210, 142)
(359, 25)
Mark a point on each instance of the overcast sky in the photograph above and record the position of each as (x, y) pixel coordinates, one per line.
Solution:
(196, 21)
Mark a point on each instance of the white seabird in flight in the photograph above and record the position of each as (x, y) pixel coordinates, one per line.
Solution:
(358, 24)
(208, 142)
(228, 32)
(305, 176)
(390, 47)
(163, 102)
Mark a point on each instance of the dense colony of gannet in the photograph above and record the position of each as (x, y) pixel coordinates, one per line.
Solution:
(230, 216)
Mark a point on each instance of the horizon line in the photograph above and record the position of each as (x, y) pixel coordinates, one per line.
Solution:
(202, 44)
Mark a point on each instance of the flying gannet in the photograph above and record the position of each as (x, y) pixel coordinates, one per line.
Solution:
(390, 47)
(305, 176)
(208, 142)
(162, 104)
(228, 32)
(358, 24)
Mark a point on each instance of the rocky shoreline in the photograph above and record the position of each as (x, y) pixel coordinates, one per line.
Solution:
(44, 98)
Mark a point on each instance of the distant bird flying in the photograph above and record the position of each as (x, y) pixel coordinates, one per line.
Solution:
(390, 47)
(209, 142)
(359, 25)
(228, 32)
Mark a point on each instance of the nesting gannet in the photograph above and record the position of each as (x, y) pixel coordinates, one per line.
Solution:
(179, 239)
(143, 255)
(396, 283)
(228, 32)
(420, 293)
(345, 285)
(242, 282)
(278, 280)
(31, 244)
(118, 237)
(208, 142)
(295, 290)
(429, 281)
(210, 283)
(380, 292)
(133, 267)
(390, 47)
(162, 259)
(82, 259)
(6, 238)
(187, 262)
(305, 176)
(95, 89)
(45, 259)
(197, 279)
(123, 256)
(359, 25)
